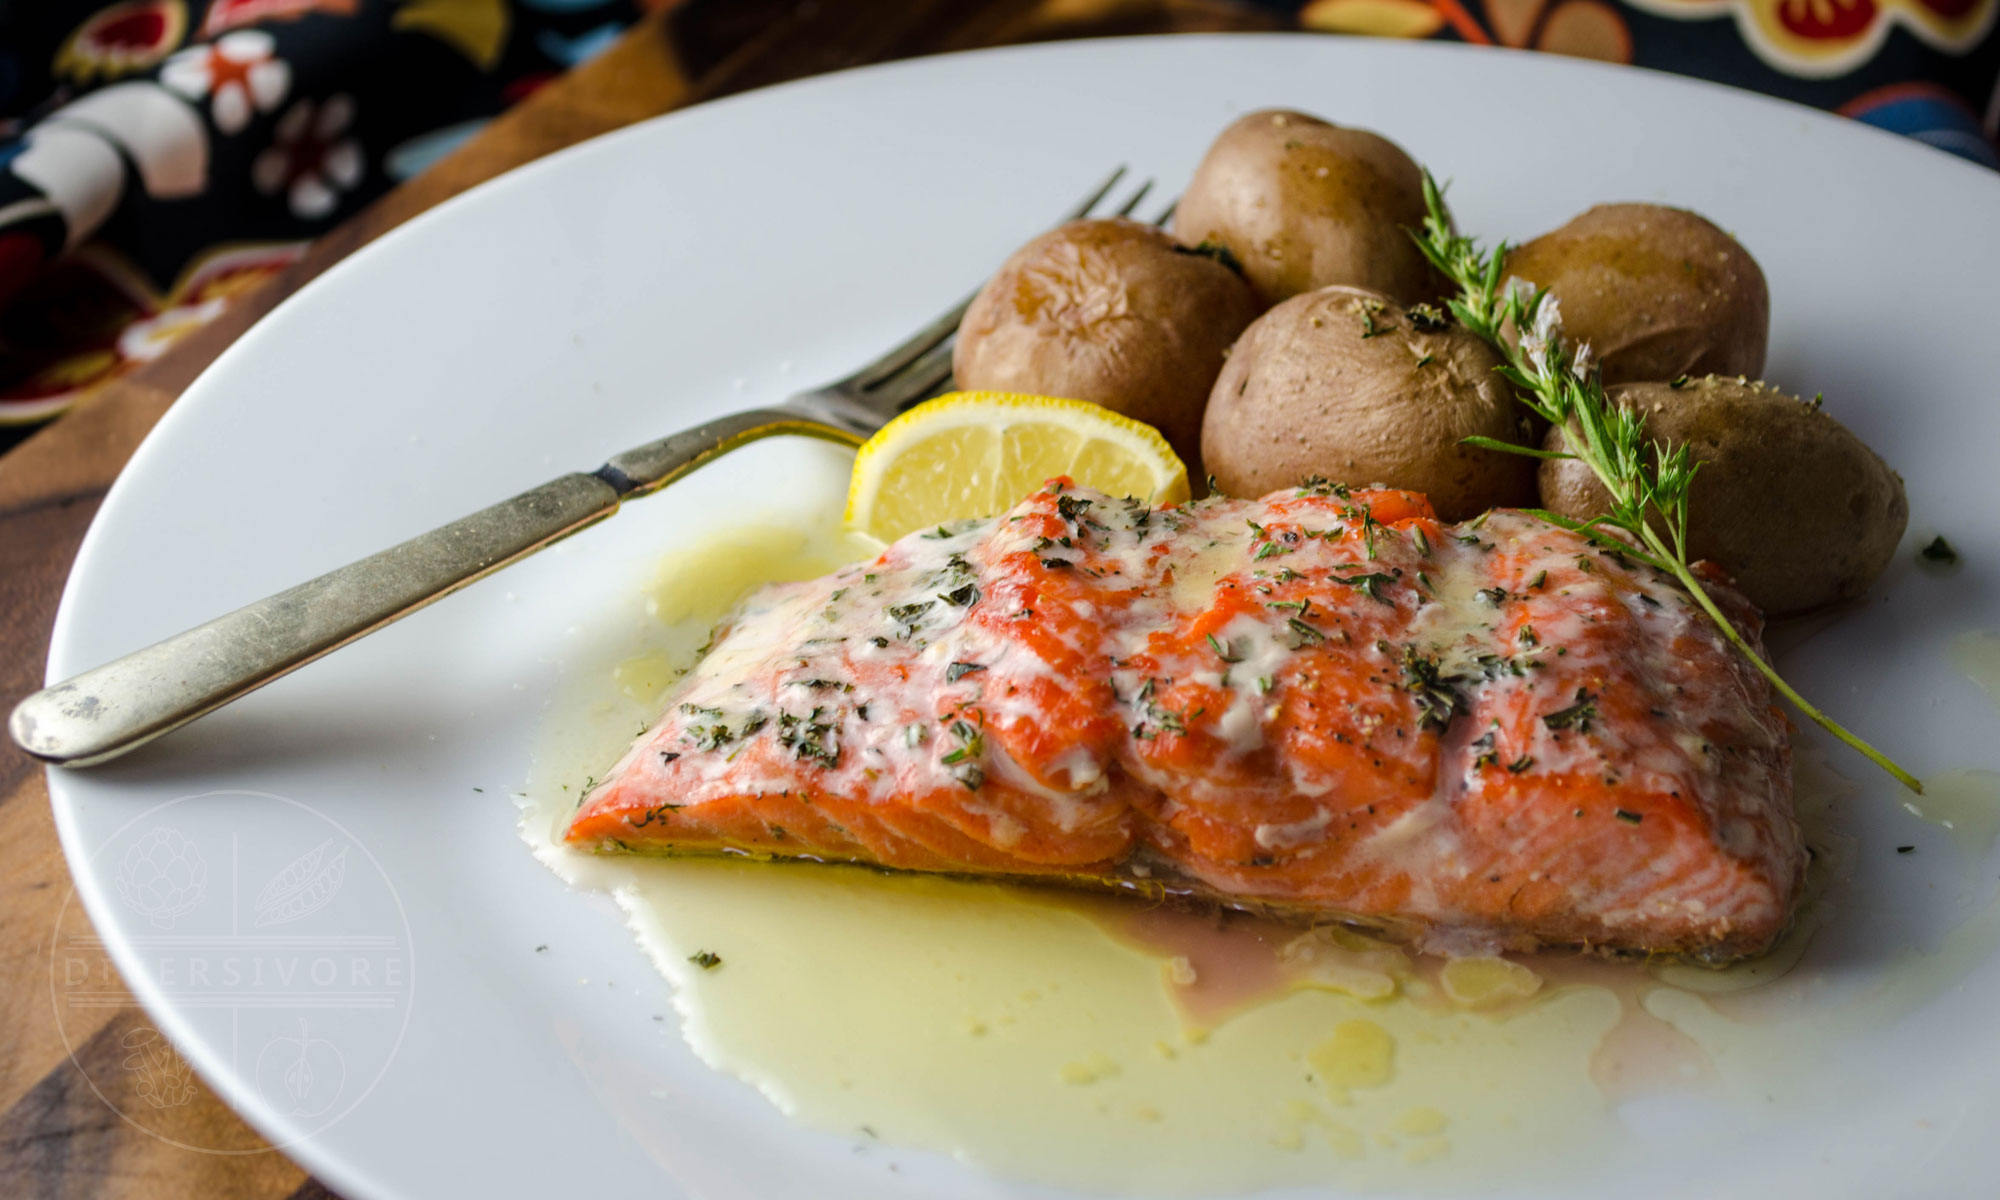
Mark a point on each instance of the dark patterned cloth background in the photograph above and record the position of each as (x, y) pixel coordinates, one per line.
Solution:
(158, 157)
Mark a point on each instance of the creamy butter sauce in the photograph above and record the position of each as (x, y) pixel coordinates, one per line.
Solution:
(1976, 653)
(1080, 1040)
(1965, 802)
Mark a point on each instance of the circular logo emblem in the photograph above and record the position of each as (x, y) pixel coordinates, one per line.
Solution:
(278, 945)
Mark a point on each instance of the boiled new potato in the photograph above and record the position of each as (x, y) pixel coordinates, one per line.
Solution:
(1110, 311)
(1302, 204)
(1346, 384)
(1657, 292)
(1786, 500)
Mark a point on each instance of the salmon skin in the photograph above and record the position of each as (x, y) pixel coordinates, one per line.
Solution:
(1325, 703)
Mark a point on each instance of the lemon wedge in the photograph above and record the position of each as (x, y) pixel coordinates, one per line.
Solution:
(975, 454)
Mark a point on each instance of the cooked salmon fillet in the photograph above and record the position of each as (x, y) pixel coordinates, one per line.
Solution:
(1323, 703)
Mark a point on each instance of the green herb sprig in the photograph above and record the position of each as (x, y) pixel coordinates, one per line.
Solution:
(1648, 481)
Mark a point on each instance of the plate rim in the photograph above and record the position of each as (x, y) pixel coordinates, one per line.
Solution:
(351, 1176)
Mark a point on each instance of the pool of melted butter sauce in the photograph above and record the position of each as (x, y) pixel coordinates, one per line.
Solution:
(1086, 1041)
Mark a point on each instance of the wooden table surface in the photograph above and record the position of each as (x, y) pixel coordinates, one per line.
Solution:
(57, 1136)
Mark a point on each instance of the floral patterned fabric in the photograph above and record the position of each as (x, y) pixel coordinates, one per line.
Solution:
(1926, 68)
(159, 157)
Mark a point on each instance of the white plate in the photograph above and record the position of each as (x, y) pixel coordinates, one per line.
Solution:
(732, 253)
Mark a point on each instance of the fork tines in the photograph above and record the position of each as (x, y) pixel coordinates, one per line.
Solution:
(920, 367)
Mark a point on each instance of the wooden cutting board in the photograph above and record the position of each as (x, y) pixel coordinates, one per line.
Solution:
(58, 1136)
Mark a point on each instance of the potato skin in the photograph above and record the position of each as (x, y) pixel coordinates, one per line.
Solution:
(1303, 204)
(1110, 311)
(1657, 292)
(1310, 390)
(1800, 511)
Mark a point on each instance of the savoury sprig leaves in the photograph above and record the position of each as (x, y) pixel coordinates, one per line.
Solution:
(1648, 480)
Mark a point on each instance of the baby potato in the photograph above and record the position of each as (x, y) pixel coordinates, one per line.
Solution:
(1786, 500)
(1346, 384)
(1303, 204)
(1657, 292)
(1110, 311)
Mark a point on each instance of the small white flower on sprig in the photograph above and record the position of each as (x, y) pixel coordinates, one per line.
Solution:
(311, 160)
(239, 73)
(1543, 334)
(1585, 359)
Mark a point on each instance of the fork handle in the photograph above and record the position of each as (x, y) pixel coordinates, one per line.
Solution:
(123, 704)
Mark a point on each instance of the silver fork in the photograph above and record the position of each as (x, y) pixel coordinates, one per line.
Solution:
(128, 702)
